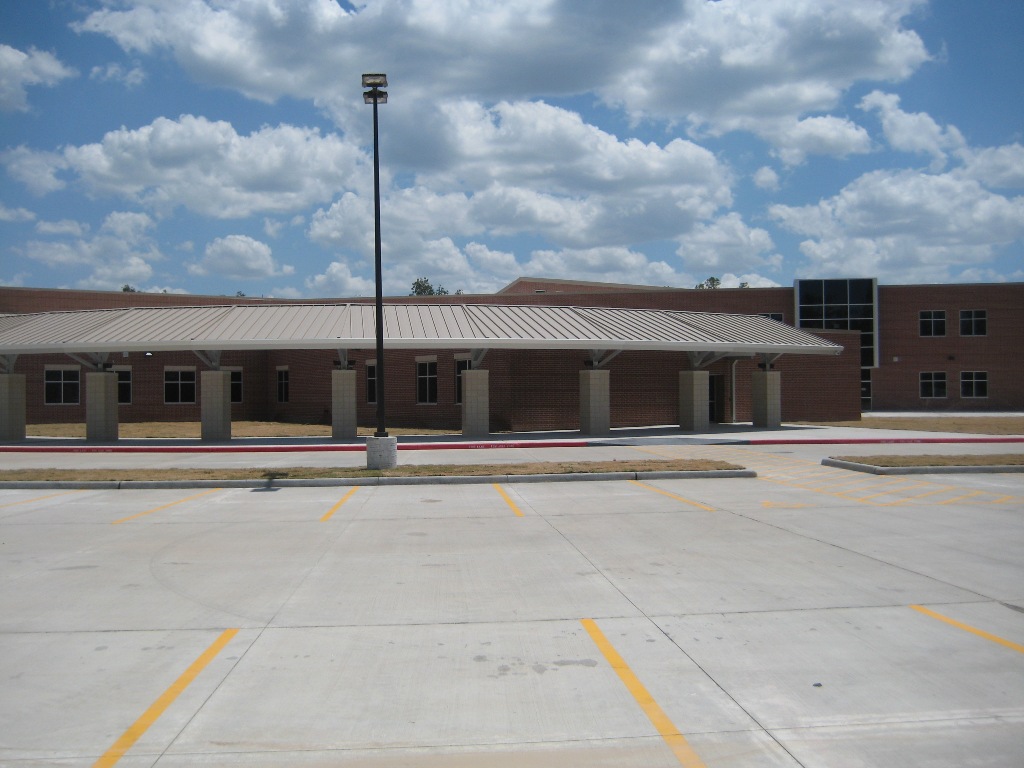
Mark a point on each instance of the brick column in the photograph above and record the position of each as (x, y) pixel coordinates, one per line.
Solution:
(101, 407)
(343, 404)
(215, 394)
(595, 401)
(476, 403)
(12, 407)
(693, 401)
(766, 393)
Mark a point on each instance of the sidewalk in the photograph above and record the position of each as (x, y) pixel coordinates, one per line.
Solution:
(512, 448)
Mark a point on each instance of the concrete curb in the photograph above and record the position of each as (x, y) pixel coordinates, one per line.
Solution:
(873, 470)
(333, 482)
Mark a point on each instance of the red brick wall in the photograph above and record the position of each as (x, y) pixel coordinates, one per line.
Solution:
(904, 354)
(532, 389)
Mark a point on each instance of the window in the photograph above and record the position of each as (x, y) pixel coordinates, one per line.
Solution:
(283, 386)
(371, 382)
(973, 322)
(61, 386)
(460, 366)
(124, 386)
(179, 385)
(933, 322)
(426, 382)
(236, 386)
(933, 384)
(841, 305)
(774, 316)
(974, 384)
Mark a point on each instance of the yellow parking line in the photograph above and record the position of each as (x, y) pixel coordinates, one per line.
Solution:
(37, 498)
(158, 707)
(165, 506)
(889, 490)
(964, 496)
(673, 738)
(968, 628)
(337, 506)
(940, 489)
(673, 496)
(508, 500)
(854, 484)
(1001, 499)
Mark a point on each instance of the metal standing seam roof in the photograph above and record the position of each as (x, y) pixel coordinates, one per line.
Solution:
(406, 326)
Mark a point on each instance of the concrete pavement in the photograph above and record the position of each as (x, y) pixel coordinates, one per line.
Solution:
(810, 616)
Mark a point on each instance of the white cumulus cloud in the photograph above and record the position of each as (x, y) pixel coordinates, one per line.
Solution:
(18, 70)
(913, 131)
(907, 225)
(200, 164)
(121, 251)
(240, 257)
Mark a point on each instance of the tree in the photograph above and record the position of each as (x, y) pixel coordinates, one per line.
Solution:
(421, 287)
(710, 284)
(129, 289)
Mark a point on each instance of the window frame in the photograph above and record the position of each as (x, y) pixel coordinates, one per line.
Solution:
(976, 321)
(426, 380)
(936, 323)
(934, 380)
(371, 382)
(284, 384)
(180, 383)
(462, 363)
(125, 383)
(974, 381)
(66, 384)
(236, 371)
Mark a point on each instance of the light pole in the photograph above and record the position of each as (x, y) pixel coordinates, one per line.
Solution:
(382, 451)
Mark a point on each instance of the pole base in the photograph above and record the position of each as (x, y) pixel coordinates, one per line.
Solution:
(381, 452)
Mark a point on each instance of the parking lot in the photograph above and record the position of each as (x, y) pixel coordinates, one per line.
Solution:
(809, 617)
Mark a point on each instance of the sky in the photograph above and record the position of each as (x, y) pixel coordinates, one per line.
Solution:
(223, 146)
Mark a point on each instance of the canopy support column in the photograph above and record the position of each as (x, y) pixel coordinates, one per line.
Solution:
(693, 401)
(343, 402)
(766, 395)
(595, 401)
(215, 410)
(476, 403)
(12, 405)
(101, 418)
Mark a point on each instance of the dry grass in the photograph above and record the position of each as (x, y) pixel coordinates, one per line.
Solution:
(972, 425)
(410, 470)
(976, 425)
(191, 429)
(962, 460)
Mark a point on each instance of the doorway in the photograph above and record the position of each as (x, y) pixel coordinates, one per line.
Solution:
(716, 398)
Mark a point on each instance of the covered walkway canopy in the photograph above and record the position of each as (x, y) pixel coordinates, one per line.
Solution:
(406, 326)
(90, 336)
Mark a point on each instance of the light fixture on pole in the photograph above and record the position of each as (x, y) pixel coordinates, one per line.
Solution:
(376, 96)
(381, 450)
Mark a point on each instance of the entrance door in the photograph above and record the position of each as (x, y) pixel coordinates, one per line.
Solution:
(716, 398)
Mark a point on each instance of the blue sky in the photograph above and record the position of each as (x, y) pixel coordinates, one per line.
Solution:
(221, 146)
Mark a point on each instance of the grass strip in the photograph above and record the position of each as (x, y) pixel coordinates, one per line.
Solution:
(969, 425)
(931, 460)
(405, 470)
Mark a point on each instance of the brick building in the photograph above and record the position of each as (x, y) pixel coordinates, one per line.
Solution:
(936, 347)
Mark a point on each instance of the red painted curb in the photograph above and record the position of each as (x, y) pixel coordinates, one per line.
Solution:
(351, 447)
(884, 440)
